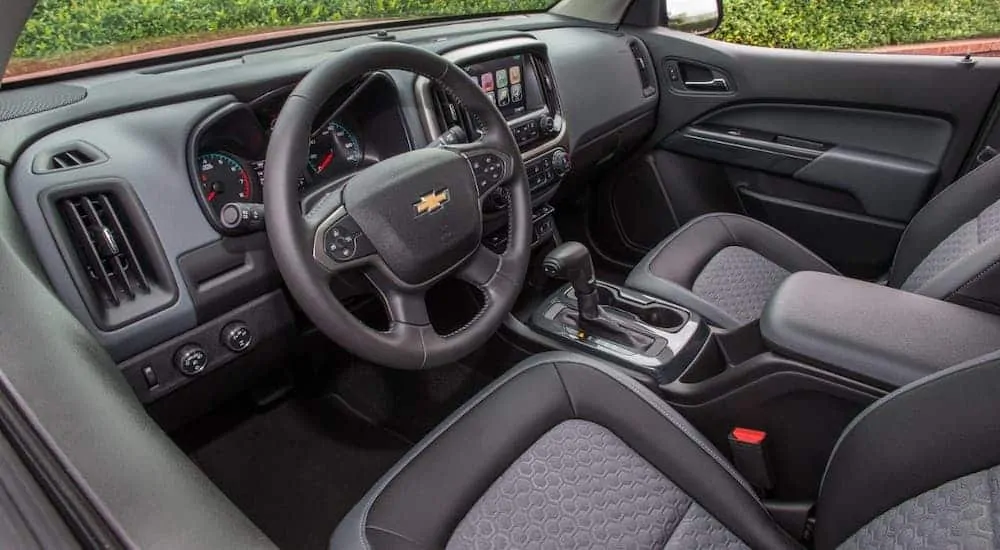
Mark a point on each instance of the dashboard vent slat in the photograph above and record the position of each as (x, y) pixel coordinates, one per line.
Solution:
(105, 248)
(67, 157)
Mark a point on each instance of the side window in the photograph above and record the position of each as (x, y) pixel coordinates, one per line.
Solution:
(929, 27)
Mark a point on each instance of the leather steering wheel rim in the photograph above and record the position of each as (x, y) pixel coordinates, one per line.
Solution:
(378, 202)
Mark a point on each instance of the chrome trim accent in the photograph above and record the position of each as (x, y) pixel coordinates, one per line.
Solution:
(425, 101)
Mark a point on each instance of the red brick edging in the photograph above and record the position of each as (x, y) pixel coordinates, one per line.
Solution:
(976, 46)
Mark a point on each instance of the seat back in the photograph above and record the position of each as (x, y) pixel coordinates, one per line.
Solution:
(950, 250)
(918, 468)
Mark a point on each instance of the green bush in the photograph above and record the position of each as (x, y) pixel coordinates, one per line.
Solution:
(62, 26)
(855, 24)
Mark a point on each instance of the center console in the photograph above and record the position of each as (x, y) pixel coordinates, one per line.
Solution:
(825, 348)
(516, 76)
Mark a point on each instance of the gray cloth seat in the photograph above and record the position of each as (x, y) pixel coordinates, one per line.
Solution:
(726, 266)
(566, 452)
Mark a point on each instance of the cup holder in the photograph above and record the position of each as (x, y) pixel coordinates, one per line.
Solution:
(659, 316)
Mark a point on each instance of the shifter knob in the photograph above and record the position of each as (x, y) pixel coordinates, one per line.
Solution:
(571, 262)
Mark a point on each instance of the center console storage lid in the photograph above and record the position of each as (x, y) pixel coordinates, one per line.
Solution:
(869, 332)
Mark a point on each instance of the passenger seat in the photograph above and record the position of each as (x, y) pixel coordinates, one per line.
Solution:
(727, 266)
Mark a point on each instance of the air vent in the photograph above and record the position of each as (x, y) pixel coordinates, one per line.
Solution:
(68, 157)
(643, 66)
(112, 252)
(448, 112)
(105, 248)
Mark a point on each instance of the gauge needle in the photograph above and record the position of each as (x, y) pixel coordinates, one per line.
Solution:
(211, 196)
(325, 162)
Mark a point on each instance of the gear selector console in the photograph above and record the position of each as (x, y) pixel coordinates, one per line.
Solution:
(640, 332)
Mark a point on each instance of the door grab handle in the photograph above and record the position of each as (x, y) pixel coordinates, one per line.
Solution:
(714, 85)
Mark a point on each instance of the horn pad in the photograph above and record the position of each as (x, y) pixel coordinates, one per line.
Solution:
(420, 210)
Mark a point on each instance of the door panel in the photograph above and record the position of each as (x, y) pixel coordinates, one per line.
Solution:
(839, 150)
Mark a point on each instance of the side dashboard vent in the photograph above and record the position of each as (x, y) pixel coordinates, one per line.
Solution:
(119, 264)
(644, 67)
(68, 157)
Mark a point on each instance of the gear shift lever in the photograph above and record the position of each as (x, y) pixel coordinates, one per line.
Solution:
(571, 262)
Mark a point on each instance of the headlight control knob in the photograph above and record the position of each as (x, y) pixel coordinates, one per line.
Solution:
(237, 336)
(191, 359)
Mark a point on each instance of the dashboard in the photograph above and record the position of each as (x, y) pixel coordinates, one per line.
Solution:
(164, 150)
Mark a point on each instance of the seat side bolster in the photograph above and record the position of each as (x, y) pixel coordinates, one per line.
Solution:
(935, 430)
(960, 202)
(458, 462)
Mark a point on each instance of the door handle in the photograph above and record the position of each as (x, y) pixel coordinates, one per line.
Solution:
(714, 85)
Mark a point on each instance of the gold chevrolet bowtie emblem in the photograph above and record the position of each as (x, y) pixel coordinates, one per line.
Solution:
(432, 202)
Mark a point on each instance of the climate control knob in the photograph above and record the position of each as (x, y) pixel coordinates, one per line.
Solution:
(560, 162)
(191, 359)
(237, 337)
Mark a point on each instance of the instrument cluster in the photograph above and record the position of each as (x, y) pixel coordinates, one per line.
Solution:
(358, 127)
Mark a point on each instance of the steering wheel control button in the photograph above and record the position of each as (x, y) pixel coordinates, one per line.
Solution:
(489, 169)
(191, 359)
(237, 337)
(344, 241)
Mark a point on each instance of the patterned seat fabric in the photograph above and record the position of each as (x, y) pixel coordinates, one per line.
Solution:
(580, 486)
(740, 282)
(961, 514)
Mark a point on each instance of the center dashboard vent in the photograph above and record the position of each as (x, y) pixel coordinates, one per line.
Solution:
(113, 253)
(643, 66)
(448, 112)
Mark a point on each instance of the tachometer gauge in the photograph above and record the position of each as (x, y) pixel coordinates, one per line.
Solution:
(335, 147)
(223, 178)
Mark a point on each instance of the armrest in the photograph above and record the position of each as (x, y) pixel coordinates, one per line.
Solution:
(868, 332)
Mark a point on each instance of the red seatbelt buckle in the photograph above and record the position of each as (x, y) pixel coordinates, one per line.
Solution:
(749, 450)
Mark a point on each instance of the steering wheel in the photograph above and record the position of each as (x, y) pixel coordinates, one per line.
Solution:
(406, 223)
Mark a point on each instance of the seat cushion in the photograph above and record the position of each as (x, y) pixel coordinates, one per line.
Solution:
(562, 452)
(724, 266)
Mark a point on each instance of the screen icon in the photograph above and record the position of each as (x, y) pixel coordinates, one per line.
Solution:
(502, 78)
(492, 96)
(516, 93)
(503, 97)
(487, 82)
(515, 74)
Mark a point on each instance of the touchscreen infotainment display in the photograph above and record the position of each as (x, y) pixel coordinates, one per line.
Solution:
(503, 81)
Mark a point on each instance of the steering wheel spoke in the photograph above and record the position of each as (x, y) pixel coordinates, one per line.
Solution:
(481, 267)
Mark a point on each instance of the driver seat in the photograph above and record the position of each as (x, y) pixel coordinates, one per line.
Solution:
(565, 451)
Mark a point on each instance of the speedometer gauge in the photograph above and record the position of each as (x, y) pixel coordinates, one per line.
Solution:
(224, 178)
(334, 148)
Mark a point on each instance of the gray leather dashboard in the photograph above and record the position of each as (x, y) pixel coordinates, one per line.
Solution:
(866, 331)
(147, 146)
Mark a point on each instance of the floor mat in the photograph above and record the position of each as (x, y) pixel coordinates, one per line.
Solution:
(297, 469)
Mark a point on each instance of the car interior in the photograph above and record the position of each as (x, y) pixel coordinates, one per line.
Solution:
(560, 279)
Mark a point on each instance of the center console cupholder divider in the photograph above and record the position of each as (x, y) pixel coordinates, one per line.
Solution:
(655, 314)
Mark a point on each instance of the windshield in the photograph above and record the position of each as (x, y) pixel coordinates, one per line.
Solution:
(63, 34)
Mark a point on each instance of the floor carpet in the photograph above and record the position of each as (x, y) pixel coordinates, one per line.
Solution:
(295, 470)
